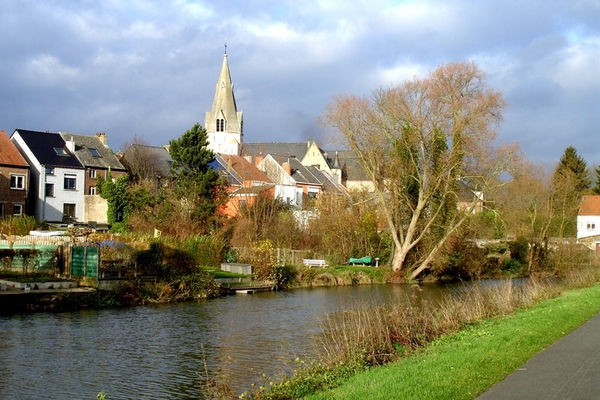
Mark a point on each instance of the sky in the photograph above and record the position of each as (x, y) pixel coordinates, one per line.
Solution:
(146, 70)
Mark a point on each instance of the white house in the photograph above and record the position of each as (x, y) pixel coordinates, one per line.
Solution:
(588, 222)
(56, 184)
(286, 188)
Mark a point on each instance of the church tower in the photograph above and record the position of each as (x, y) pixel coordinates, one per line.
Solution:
(224, 123)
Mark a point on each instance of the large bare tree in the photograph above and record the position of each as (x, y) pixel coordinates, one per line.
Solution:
(427, 145)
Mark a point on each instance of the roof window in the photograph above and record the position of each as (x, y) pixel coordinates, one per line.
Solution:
(94, 152)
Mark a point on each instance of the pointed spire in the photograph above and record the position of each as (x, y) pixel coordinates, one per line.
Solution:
(336, 161)
(224, 123)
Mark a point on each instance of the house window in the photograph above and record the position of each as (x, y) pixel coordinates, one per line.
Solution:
(591, 226)
(92, 190)
(17, 182)
(50, 171)
(70, 182)
(68, 210)
(94, 152)
(49, 190)
(93, 173)
(1, 209)
(17, 210)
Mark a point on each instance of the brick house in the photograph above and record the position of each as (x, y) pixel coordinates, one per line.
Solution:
(14, 179)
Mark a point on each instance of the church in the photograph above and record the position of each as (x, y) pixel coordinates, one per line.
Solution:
(303, 165)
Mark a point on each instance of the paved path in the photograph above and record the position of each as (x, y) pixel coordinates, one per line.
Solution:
(568, 369)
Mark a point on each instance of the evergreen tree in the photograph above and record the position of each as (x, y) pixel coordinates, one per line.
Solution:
(195, 181)
(572, 163)
(570, 181)
(596, 187)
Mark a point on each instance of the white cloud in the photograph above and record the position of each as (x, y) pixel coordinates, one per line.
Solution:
(48, 70)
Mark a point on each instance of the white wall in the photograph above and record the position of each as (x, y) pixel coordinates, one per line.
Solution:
(582, 226)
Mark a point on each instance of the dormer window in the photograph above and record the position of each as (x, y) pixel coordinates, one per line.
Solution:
(94, 152)
(220, 125)
(61, 151)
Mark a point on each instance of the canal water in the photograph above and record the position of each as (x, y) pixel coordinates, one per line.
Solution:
(160, 352)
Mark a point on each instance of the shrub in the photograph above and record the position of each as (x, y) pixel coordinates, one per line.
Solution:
(150, 260)
(519, 249)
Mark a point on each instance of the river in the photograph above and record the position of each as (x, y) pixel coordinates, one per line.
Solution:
(159, 351)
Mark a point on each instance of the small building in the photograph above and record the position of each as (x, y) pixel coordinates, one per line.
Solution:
(14, 179)
(588, 222)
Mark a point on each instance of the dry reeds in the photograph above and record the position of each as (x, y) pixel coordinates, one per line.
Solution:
(376, 334)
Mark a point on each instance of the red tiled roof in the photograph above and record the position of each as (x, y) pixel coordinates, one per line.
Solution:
(590, 205)
(9, 155)
(245, 169)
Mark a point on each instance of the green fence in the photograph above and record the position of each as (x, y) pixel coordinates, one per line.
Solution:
(84, 261)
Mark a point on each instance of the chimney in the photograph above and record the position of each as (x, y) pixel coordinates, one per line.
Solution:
(71, 145)
(258, 159)
(308, 144)
(287, 167)
(102, 137)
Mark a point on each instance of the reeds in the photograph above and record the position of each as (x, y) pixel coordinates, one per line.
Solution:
(377, 334)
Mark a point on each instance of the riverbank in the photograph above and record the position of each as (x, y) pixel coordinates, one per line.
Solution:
(465, 364)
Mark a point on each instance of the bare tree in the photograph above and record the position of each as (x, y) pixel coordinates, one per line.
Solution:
(423, 143)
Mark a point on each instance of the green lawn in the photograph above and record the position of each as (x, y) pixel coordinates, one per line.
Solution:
(465, 364)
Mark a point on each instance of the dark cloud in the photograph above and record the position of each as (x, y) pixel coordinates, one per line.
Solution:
(149, 68)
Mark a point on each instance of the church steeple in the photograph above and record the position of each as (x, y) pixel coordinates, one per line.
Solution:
(224, 123)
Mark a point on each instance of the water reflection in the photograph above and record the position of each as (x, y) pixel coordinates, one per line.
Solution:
(158, 352)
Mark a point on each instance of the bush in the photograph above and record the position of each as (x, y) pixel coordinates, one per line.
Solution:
(150, 260)
(519, 249)
(284, 276)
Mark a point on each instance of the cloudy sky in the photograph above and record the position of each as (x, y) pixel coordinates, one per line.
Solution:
(148, 68)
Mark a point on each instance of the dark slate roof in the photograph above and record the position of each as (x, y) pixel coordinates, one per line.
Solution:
(9, 154)
(83, 144)
(353, 171)
(300, 173)
(294, 149)
(220, 165)
(42, 145)
(329, 185)
(161, 158)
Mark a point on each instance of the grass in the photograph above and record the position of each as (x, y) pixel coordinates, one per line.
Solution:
(466, 363)
(218, 273)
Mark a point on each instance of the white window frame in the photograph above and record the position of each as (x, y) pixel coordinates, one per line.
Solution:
(92, 173)
(92, 191)
(18, 183)
(20, 208)
(68, 178)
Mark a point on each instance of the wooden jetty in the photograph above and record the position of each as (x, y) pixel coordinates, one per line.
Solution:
(246, 287)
